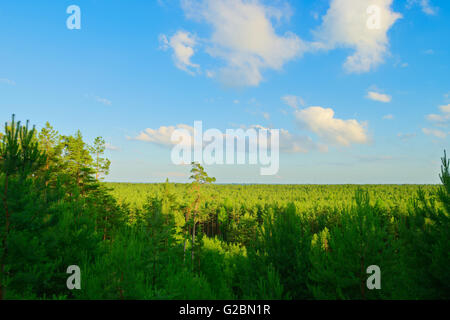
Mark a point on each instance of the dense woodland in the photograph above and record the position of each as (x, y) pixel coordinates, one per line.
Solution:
(207, 241)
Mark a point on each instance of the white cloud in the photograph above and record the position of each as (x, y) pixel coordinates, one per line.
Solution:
(346, 25)
(322, 122)
(437, 133)
(182, 43)
(289, 143)
(425, 4)
(318, 120)
(445, 109)
(388, 117)
(244, 38)
(162, 135)
(294, 143)
(440, 119)
(8, 81)
(293, 101)
(379, 97)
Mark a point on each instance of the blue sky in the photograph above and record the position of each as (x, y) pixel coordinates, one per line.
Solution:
(374, 104)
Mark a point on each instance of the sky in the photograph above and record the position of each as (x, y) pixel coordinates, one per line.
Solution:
(358, 89)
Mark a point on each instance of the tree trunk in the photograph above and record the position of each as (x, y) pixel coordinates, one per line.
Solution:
(96, 174)
(105, 228)
(186, 219)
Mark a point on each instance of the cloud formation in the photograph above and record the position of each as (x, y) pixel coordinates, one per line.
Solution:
(162, 136)
(293, 101)
(294, 143)
(441, 119)
(381, 97)
(289, 143)
(182, 43)
(434, 132)
(361, 25)
(427, 8)
(322, 122)
(318, 120)
(244, 38)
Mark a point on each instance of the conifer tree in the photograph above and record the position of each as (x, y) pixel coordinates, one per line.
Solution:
(283, 243)
(20, 156)
(427, 238)
(77, 159)
(200, 178)
(49, 141)
(340, 255)
(101, 164)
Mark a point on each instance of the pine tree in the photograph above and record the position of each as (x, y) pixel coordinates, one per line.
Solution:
(340, 255)
(78, 161)
(20, 157)
(428, 240)
(49, 142)
(101, 164)
(200, 178)
(283, 243)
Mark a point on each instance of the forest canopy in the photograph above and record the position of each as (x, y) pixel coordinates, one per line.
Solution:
(205, 241)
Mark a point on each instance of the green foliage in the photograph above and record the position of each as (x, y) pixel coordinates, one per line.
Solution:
(427, 240)
(101, 164)
(51, 210)
(206, 241)
(199, 177)
(283, 245)
(340, 256)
